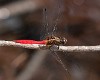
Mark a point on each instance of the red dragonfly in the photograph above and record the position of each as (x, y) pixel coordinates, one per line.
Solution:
(52, 40)
(50, 26)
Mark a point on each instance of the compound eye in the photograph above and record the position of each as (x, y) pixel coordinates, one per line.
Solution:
(64, 40)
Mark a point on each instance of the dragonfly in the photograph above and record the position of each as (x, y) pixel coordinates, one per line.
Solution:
(49, 41)
(49, 28)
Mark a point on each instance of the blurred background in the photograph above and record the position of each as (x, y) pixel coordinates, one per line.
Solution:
(76, 20)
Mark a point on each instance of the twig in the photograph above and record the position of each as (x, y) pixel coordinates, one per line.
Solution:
(14, 44)
(58, 48)
(79, 48)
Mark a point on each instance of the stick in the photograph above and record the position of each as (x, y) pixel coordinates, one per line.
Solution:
(79, 48)
(14, 44)
(60, 48)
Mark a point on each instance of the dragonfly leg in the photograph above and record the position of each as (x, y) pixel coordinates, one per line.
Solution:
(54, 47)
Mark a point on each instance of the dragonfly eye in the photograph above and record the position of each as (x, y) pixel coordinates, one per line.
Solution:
(63, 41)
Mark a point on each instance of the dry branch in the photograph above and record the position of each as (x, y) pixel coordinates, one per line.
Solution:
(14, 44)
(59, 48)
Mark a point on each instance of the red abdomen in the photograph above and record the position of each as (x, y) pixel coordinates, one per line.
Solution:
(30, 42)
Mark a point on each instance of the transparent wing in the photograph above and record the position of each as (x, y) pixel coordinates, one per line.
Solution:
(51, 16)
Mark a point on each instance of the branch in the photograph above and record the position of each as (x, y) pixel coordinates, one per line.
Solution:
(54, 48)
(79, 48)
(14, 44)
